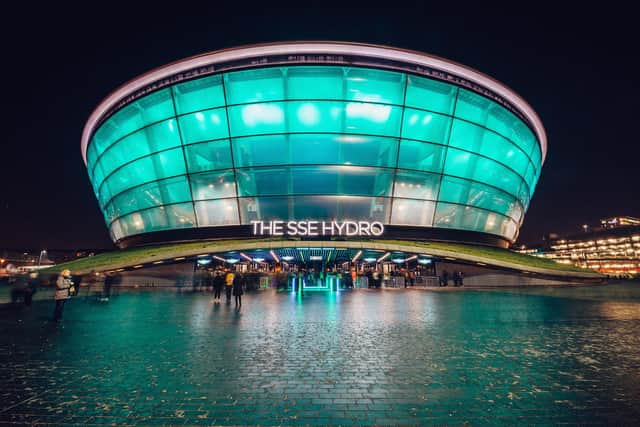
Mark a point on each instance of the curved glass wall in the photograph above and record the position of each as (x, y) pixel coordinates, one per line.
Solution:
(313, 142)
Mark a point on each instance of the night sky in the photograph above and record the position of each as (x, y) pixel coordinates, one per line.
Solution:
(579, 72)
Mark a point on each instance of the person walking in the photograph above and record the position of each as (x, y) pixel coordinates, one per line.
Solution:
(106, 286)
(63, 285)
(33, 283)
(228, 278)
(238, 285)
(218, 283)
(445, 278)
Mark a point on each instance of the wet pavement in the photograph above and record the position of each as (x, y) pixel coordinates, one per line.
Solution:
(566, 356)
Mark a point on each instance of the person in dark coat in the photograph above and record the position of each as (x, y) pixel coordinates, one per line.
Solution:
(106, 287)
(34, 282)
(22, 288)
(445, 278)
(218, 283)
(238, 285)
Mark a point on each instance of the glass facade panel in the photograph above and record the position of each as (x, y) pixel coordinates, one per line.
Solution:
(315, 116)
(157, 166)
(472, 107)
(321, 208)
(358, 150)
(315, 83)
(150, 109)
(430, 95)
(338, 180)
(217, 212)
(258, 85)
(372, 119)
(471, 193)
(474, 219)
(374, 86)
(463, 164)
(213, 185)
(257, 119)
(260, 150)
(412, 212)
(204, 125)
(199, 94)
(416, 185)
(157, 219)
(313, 142)
(476, 139)
(366, 150)
(425, 126)
(168, 191)
(208, 156)
(160, 136)
(421, 156)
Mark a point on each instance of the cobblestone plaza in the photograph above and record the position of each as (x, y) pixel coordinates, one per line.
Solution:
(386, 357)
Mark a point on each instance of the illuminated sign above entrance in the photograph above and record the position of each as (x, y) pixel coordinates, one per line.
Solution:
(317, 228)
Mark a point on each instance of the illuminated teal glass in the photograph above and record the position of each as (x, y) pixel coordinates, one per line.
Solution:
(313, 142)
(315, 83)
(472, 107)
(416, 185)
(92, 155)
(430, 95)
(157, 166)
(412, 212)
(261, 150)
(257, 119)
(204, 126)
(327, 208)
(421, 156)
(339, 180)
(360, 150)
(158, 219)
(315, 116)
(369, 85)
(469, 218)
(172, 190)
(258, 85)
(217, 212)
(425, 126)
(149, 109)
(471, 193)
(213, 185)
(476, 139)
(466, 165)
(501, 120)
(151, 139)
(364, 150)
(372, 119)
(199, 94)
(536, 156)
(264, 181)
(530, 177)
(208, 156)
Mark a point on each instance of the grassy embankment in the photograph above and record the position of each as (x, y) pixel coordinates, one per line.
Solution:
(148, 254)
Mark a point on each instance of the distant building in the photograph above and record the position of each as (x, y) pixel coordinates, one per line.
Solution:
(613, 248)
(619, 221)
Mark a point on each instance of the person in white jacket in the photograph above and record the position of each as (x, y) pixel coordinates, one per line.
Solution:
(63, 284)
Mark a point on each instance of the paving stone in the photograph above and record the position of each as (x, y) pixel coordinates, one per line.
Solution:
(353, 358)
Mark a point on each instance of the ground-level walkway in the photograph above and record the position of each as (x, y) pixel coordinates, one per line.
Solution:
(544, 356)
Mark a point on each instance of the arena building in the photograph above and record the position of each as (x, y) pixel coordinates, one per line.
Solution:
(351, 138)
